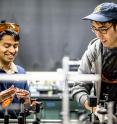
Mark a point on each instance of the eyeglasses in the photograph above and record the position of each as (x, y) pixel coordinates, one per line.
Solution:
(8, 25)
(102, 30)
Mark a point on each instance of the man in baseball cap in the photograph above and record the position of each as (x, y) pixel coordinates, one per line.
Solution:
(100, 58)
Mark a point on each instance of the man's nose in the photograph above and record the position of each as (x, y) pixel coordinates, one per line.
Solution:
(12, 49)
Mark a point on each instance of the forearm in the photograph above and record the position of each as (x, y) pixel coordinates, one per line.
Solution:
(81, 98)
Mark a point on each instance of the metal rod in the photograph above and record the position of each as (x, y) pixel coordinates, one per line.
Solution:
(110, 112)
(65, 99)
(44, 76)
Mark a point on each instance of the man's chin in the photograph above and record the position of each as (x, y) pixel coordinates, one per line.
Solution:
(9, 60)
(106, 45)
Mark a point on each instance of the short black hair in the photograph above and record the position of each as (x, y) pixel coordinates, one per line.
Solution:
(11, 33)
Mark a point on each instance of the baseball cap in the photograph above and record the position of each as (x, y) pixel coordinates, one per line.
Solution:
(103, 13)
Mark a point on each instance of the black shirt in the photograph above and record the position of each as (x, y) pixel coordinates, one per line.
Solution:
(109, 71)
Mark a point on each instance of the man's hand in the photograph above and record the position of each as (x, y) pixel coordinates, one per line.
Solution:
(23, 94)
(10, 92)
(6, 102)
(91, 109)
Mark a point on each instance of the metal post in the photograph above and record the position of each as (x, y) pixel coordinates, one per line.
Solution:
(110, 112)
(6, 117)
(21, 117)
(65, 99)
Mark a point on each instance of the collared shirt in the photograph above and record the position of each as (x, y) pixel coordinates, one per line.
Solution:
(11, 70)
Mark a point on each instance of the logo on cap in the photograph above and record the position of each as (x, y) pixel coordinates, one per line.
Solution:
(97, 9)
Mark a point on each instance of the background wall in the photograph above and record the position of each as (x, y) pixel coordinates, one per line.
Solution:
(50, 29)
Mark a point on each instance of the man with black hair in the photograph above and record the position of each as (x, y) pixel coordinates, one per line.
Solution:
(11, 91)
(100, 58)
